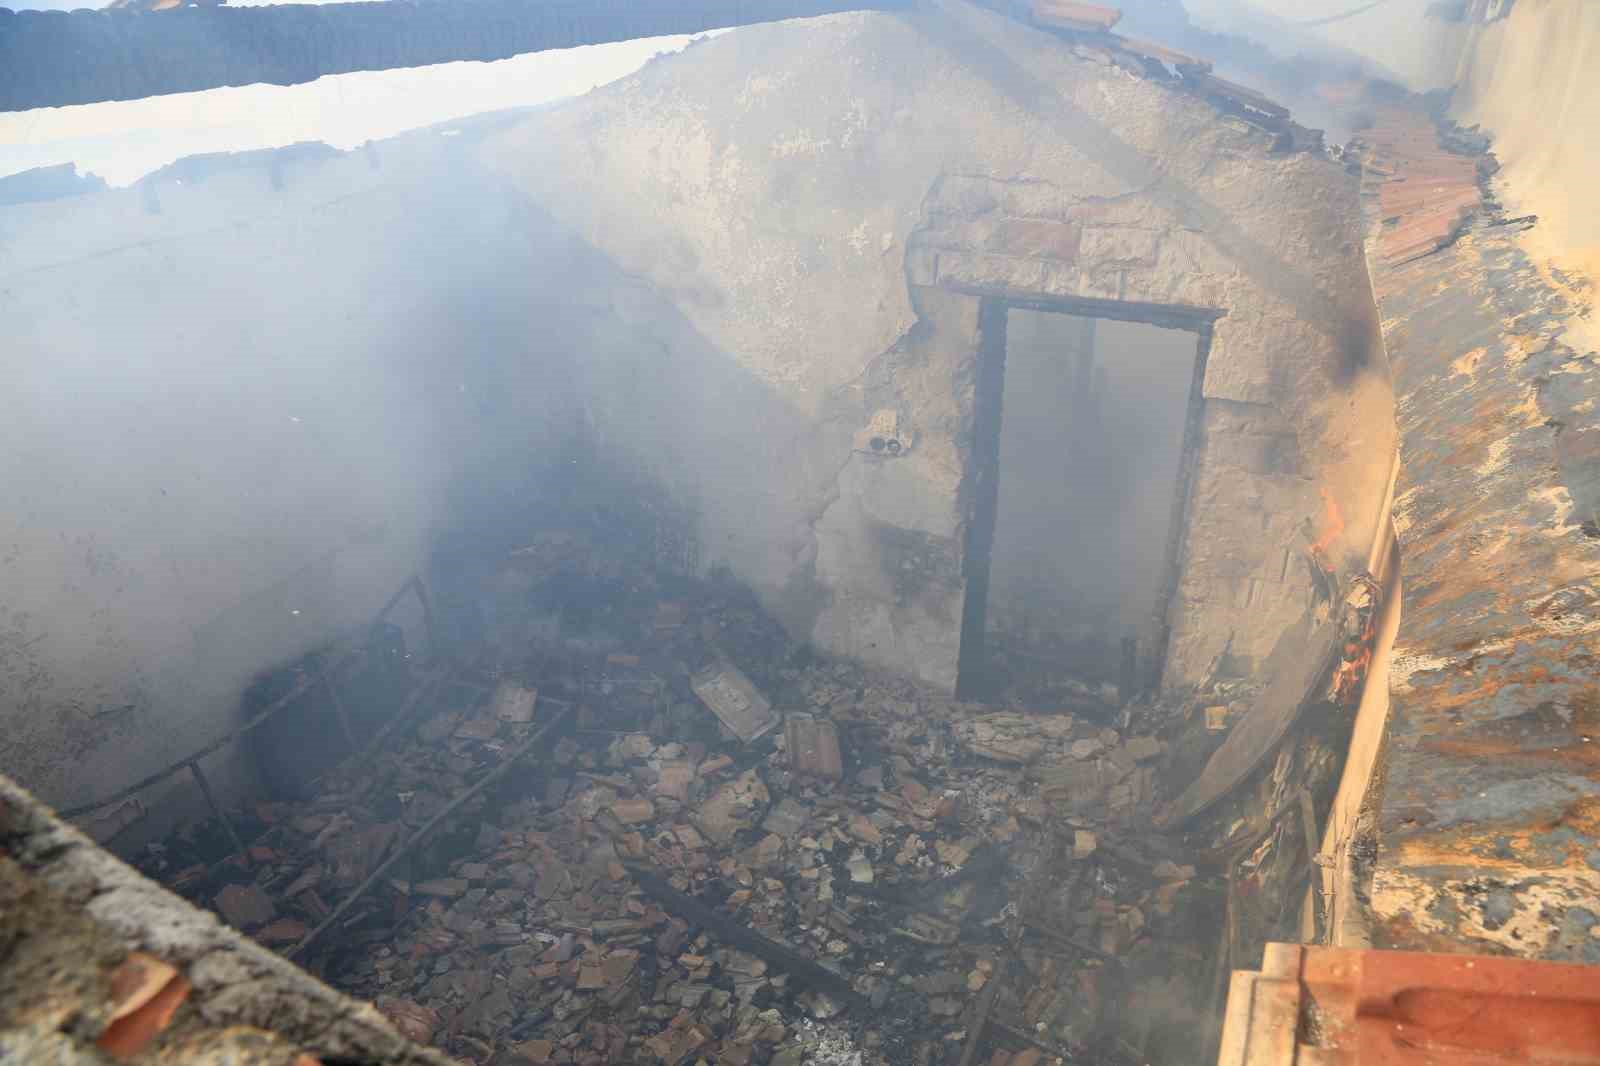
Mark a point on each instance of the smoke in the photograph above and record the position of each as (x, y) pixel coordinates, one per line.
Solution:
(1530, 83)
(124, 140)
(1091, 434)
(216, 456)
(1393, 39)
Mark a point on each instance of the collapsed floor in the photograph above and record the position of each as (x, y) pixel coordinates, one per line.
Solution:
(555, 851)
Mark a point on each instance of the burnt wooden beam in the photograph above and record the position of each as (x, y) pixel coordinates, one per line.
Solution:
(56, 58)
(811, 974)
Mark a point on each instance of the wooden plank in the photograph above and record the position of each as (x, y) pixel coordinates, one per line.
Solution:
(1239, 93)
(1161, 53)
(1087, 18)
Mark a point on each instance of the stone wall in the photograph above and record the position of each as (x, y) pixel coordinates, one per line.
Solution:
(239, 402)
(789, 225)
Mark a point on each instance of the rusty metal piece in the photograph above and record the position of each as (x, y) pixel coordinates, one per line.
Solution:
(217, 811)
(444, 812)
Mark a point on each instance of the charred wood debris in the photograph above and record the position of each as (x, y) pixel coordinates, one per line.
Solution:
(648, 827)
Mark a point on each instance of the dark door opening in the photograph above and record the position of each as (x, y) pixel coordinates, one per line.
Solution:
(1086, 429)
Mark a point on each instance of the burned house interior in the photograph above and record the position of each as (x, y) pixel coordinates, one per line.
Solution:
(858, 533)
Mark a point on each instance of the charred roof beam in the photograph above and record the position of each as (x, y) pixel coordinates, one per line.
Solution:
(57, 58)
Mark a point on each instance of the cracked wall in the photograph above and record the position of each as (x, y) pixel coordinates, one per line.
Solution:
(750, 271)
(794, 221)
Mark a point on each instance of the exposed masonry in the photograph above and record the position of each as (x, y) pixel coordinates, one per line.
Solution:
(829, 228)
(734, 270)
(1030, 236)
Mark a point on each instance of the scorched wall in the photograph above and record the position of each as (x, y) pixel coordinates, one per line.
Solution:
(236, 405)
(790, 227)
(247, 397)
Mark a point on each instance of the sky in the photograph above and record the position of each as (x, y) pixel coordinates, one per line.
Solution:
(122, 141)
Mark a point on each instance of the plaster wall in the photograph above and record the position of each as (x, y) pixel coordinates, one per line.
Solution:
(813, 210)
(234, 405)
(260, 394)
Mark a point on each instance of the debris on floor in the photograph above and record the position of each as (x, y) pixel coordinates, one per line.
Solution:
(735, 852)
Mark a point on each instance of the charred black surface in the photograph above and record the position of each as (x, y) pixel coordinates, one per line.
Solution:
(53, 58)
(307, 737)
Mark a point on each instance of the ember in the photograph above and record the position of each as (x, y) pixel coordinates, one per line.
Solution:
(1332, 529)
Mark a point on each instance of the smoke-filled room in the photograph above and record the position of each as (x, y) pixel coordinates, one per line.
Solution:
(799, 533)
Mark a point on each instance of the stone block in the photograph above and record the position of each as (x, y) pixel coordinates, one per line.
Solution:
(1133, 247)
(813, 745)
(1035, 238)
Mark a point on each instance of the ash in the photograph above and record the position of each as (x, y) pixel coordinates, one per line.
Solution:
(878, 875)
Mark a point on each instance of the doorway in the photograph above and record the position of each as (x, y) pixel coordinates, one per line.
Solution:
(1086, 429)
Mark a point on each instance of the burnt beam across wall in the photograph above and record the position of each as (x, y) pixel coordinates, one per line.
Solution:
(1169, 316)
(57, 58)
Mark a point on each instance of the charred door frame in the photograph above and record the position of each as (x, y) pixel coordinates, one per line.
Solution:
(984, 496)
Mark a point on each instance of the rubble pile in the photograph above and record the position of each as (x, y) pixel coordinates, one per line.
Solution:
(735, 852)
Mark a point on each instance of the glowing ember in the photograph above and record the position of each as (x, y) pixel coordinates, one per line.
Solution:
(1332, 527)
